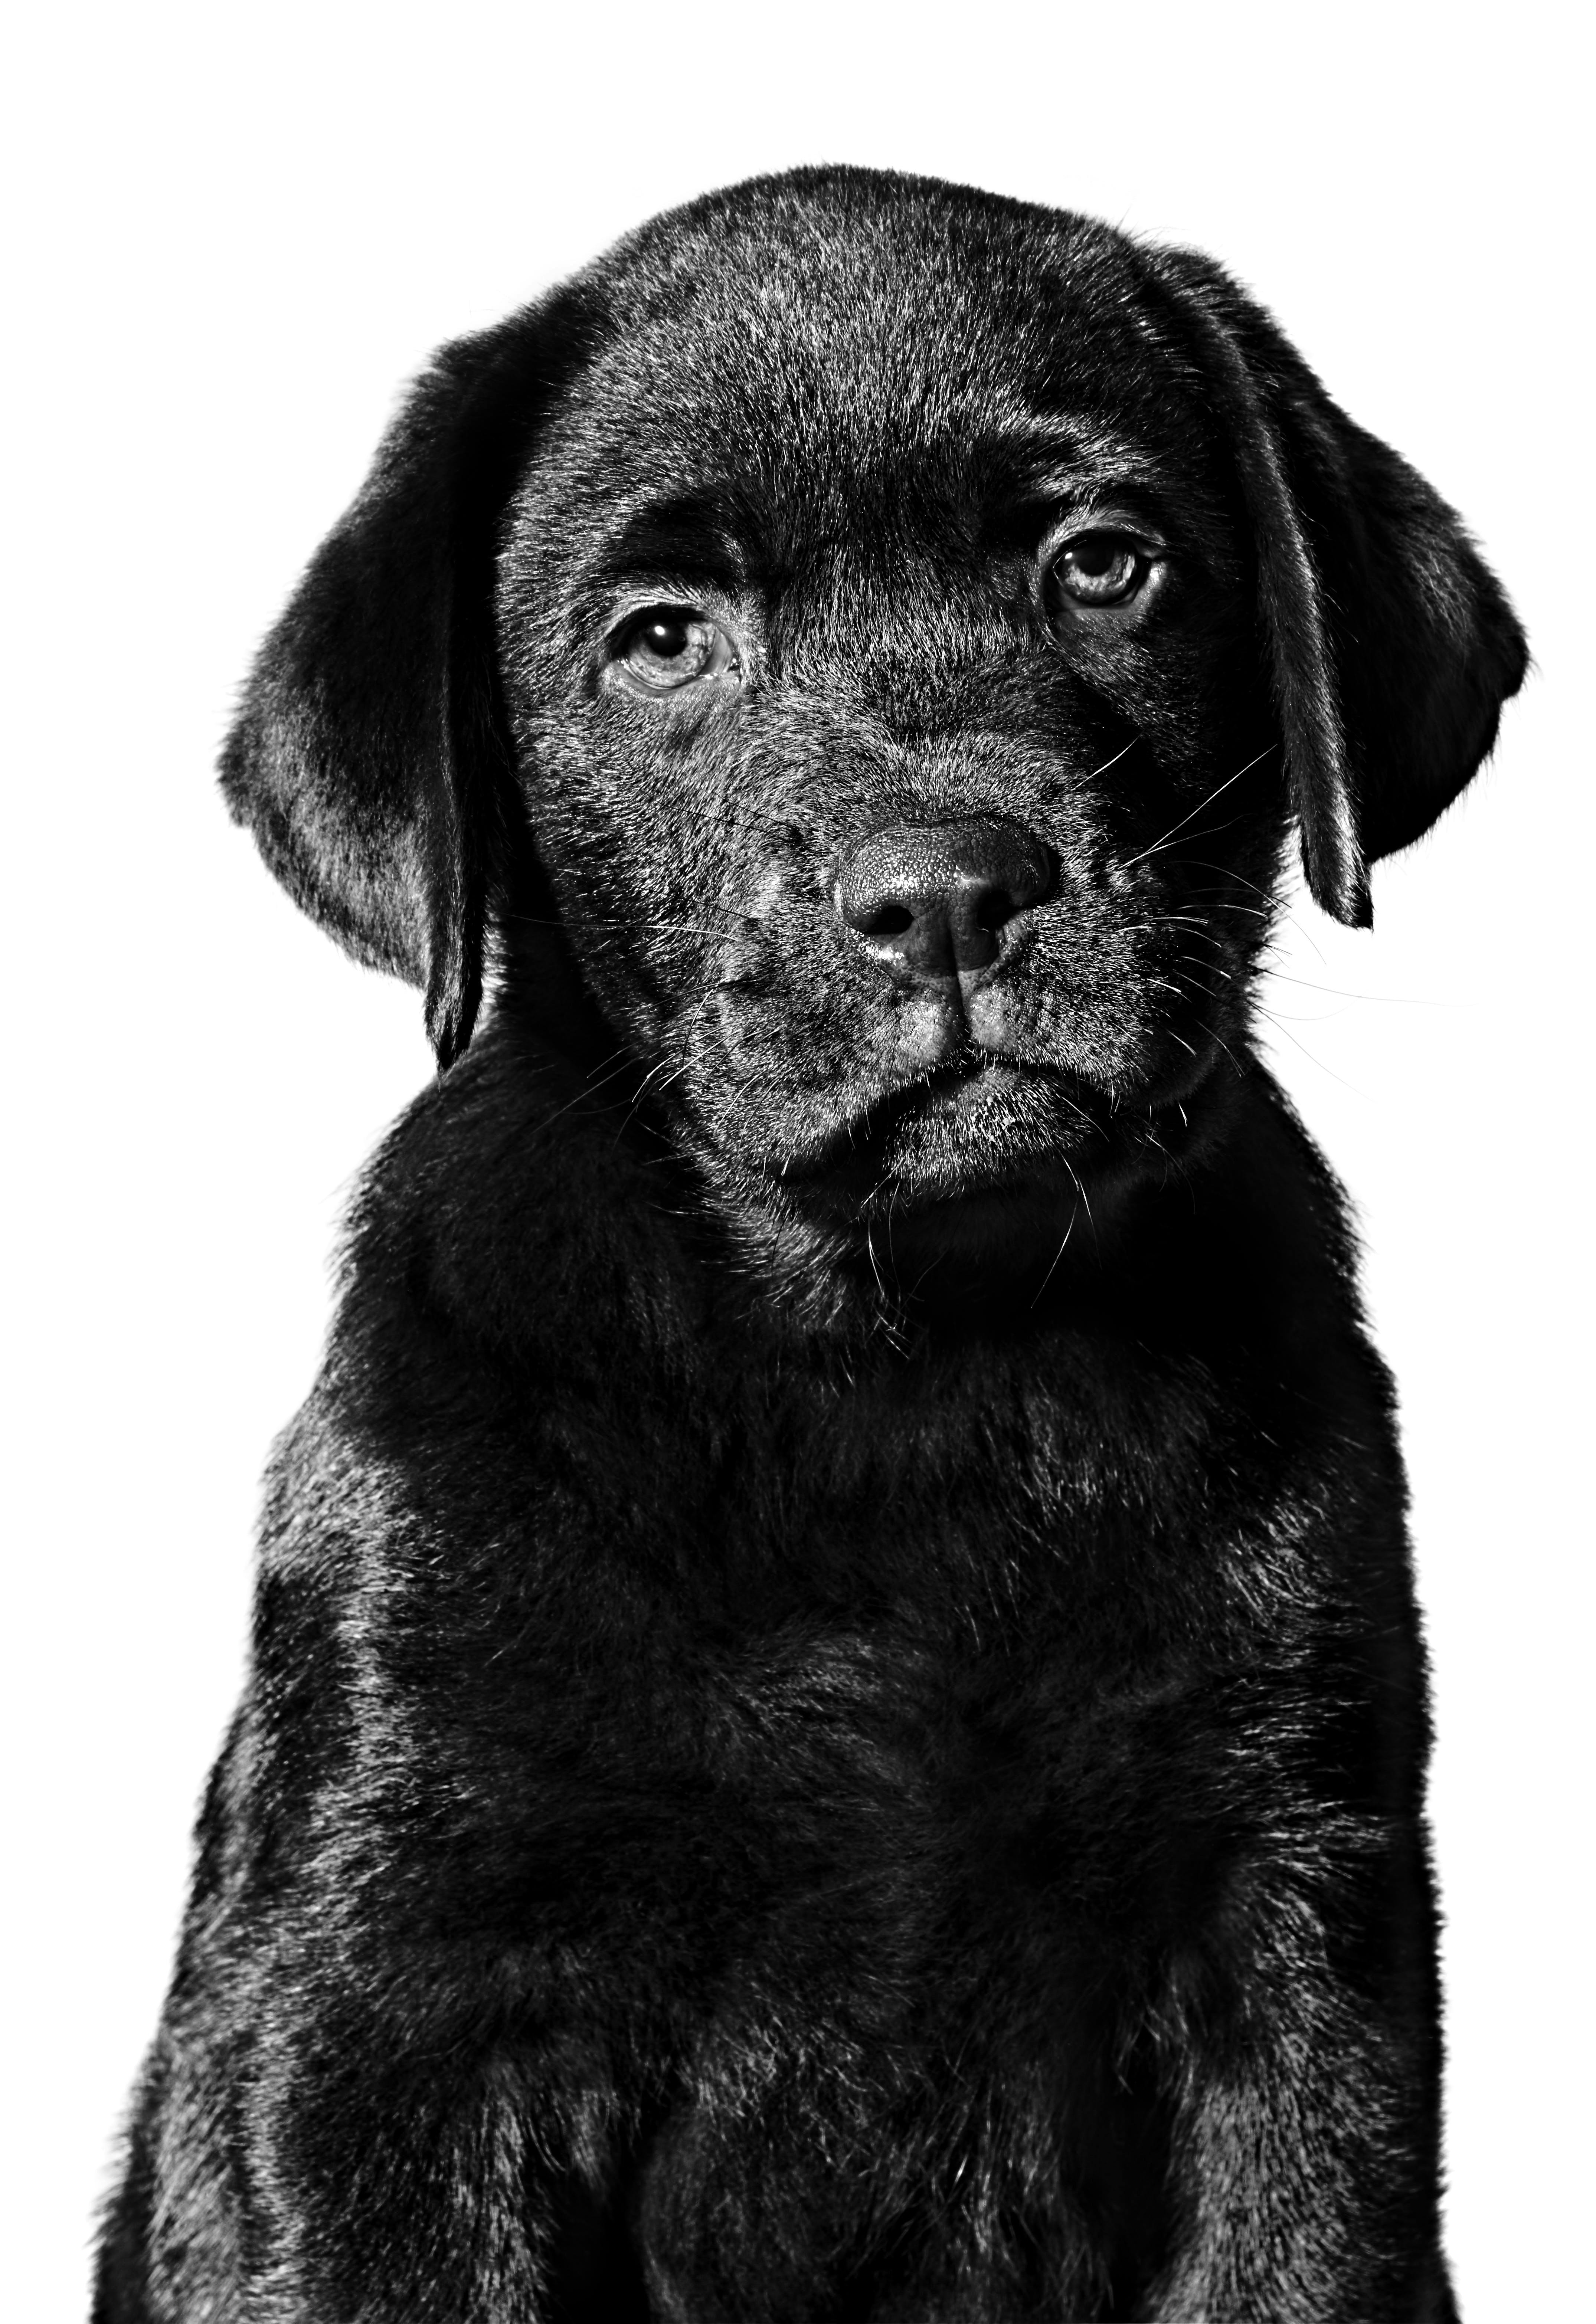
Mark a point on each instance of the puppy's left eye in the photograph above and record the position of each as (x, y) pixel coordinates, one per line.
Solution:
(1101, 568)
(669, 647)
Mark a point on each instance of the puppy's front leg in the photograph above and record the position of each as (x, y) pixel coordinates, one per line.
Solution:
(444, 2181)
(343, 2119)
(1306, 2141)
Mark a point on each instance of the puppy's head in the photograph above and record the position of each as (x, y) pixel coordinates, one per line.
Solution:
(900, 627)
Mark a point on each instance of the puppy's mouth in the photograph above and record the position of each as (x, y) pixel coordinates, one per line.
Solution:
(981, 1125)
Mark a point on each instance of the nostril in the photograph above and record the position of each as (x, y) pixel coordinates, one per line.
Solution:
(938, 895)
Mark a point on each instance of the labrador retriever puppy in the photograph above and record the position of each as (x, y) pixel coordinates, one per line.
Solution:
(836, 1720)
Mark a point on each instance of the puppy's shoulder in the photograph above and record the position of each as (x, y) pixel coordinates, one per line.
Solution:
(1253, 1259)
(515, 1212)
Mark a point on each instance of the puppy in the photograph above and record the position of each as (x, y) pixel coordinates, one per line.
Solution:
(836, 1721)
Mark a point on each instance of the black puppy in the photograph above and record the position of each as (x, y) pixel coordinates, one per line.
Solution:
(836, 1724)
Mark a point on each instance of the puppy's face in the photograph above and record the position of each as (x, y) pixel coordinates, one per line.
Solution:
(876, 634)
(903, 622)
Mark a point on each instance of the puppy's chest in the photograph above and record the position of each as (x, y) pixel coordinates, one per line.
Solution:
(918, 1775)
(894, 1685)
(930, 1711)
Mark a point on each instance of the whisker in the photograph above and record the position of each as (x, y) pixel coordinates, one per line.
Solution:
(1171, 920)
(1225, 873)
(1280, 1027)
(662, 1078)
(1115, 762)
(1058, 1255)
(1203, 831)
(624, 1063)
(1387, 1000)
(1236, 1064)
(1229, 904)
(1085, 1202)
(1165, 838)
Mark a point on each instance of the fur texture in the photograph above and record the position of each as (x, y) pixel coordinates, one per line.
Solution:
(836, 1723)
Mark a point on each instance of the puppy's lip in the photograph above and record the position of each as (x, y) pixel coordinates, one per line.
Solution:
(949, 1091)
(990, 1121)
(950, 1096)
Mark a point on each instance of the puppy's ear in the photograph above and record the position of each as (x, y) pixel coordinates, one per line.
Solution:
(1393, 647)
(370, 755)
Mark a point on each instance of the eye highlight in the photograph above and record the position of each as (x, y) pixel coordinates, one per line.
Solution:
(1100, 568)
(670, 647)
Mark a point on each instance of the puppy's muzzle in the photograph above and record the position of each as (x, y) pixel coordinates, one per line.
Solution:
(931, 899)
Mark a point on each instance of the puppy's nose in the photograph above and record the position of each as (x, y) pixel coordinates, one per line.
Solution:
(935, 895)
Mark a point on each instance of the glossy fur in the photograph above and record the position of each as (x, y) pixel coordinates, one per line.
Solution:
(837, 1723)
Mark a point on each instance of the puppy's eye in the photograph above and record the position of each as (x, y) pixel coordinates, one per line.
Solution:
(671, 646)
(1100, 568)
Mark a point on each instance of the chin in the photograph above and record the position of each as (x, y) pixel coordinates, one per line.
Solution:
(969, 1185)
(950, 1223)
(1005, 1235)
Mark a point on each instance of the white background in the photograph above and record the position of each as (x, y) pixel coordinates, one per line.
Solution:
(238, 230)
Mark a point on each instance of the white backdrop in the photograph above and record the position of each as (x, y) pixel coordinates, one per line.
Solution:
(240, 229)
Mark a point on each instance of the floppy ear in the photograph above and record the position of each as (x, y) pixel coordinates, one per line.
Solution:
(370, 755)
(1392, 646)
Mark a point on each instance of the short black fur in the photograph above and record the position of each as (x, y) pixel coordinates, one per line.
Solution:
(836, 1720)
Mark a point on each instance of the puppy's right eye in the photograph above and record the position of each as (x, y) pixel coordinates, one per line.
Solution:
(672, 646)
